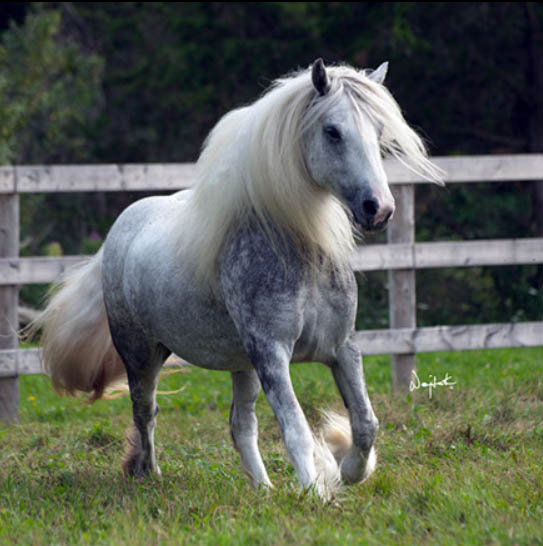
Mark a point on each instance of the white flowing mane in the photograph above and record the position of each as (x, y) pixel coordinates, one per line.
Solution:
(252, 168)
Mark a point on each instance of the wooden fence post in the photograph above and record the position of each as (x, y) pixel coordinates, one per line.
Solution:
(9, 248)
(401, 282)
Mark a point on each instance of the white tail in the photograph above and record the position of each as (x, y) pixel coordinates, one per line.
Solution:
(78, 352)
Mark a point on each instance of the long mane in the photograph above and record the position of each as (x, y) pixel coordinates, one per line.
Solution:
(252, 169)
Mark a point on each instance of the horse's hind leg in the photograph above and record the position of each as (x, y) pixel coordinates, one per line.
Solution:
(140, 458)
(244, 426)
(143, 360)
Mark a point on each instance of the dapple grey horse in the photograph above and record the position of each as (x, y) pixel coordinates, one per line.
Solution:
(248, 272)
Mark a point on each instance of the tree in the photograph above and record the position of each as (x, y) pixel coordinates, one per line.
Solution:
(49, 91)
(50, 95)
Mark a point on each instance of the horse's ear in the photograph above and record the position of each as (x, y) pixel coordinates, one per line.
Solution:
(320, 77)
(379, 74)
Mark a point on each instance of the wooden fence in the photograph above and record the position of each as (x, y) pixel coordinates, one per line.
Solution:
(401, 256)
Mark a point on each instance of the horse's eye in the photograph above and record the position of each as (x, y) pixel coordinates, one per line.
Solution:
(332, 133)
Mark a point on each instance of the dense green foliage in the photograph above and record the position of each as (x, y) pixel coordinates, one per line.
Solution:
(49, 91)
(463, 467)
(144, 82)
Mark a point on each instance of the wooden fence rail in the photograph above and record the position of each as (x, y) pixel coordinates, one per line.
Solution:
(174, 176)
(41, 270)
(401, 256)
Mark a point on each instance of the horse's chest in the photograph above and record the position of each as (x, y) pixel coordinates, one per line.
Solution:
(328, 319)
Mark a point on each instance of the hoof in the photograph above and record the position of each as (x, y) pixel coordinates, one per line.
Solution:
(139, 468)
(135, 462)
(357, 467)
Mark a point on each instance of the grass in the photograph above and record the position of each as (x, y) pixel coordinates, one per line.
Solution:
(464, 467)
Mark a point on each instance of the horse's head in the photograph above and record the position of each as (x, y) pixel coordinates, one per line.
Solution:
(295, 159)
(342, 150)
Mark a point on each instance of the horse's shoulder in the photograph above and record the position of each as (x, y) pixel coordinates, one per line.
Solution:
(262, 289)
(261, 263)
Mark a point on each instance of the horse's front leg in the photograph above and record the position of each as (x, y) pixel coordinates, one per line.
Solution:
(244, 426)
(272, 366)
(314, 464)
(358, 462)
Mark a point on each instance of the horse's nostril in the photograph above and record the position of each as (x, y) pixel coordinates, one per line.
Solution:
(370, 207)
(388, 216)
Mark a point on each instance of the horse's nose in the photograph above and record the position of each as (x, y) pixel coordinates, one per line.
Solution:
(370, 208)
(377, 214)
(389, 215)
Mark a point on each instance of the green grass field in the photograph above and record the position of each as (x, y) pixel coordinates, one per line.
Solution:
(465, 467)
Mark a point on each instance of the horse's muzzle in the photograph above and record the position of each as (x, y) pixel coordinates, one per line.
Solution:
(372, 215)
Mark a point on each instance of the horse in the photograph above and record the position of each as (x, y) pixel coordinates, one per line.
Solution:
(248, 272)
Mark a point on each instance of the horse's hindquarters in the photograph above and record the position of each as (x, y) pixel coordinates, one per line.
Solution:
(150, 289)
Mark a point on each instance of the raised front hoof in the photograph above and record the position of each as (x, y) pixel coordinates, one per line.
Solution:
(357, 467)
